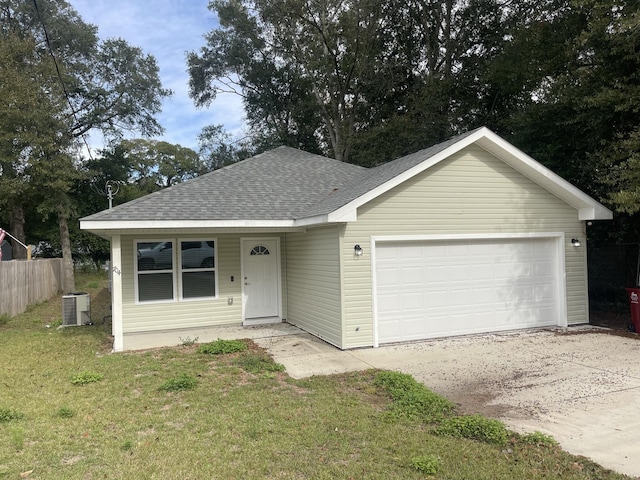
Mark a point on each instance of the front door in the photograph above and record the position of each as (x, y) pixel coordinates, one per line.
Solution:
(261, 279)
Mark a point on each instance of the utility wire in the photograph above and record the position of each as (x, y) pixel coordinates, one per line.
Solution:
(64, 87)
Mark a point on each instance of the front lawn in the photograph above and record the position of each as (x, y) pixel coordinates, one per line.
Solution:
(71, 410)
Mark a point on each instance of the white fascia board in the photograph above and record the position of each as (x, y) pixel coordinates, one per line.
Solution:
(588, 208)
(315, 220)
(98, 225)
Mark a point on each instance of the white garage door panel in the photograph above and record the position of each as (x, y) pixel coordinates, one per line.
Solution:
(434, 289)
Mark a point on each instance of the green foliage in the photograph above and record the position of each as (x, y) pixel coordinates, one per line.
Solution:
(188, 341)
(9, 415)
(4, 319)
(127, 446)
(540, 439)
(474, 427)
(86, 377)
(412, 399)
(258, 363)
(65, 412)
(179, 383)
(221, 346)
(427, 464)
(233, 425)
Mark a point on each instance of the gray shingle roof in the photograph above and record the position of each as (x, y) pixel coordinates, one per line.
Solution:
(282, 184)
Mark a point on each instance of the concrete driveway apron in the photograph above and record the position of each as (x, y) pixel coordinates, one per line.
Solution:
(580, 385)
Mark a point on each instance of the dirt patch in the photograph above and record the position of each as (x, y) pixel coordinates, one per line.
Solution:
(479, 401)
(610, 319)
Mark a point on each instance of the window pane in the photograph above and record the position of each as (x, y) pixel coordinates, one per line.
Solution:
(156, 286)
(155, 256)
(198, 284)
(197, 255)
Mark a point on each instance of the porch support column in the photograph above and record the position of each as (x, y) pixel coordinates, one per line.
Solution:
(116, 294)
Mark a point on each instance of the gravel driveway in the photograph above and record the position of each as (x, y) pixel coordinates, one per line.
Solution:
(580, 385)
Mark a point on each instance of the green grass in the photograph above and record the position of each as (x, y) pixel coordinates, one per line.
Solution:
(242, 417)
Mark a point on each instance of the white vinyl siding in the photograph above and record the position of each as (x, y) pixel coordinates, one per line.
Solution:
(313, 282)
(195, 312)
(472, 192)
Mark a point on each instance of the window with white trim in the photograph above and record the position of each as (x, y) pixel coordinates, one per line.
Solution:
(160, 273)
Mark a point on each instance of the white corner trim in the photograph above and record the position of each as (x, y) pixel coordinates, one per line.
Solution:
(117, 329)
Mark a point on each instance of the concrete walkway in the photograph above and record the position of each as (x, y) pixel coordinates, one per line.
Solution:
(582, 386)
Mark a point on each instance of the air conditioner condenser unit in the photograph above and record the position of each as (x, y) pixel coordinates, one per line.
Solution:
(76, 309)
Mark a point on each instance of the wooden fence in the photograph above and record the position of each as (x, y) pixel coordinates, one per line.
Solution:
(24, 282)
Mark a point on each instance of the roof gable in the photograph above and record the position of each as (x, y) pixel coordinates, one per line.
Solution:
(287, 187)
(388, 176)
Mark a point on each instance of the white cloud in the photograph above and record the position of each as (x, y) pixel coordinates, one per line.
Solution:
(167, 29)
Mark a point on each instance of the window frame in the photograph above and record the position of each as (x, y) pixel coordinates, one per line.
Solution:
(176, 270)
(138, 272)
(180, 270)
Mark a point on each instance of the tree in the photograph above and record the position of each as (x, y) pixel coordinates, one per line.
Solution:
(28, 131)
(94, 85)
(153, 164)
(360, 80)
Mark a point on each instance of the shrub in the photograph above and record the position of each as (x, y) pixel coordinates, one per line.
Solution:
(258, 362)
(4, 319)
(86, 377)
(412, 399)
(427, 464)
(540, 439)
(474, 427)
(220, 347)
(9, 414)
(177, 384)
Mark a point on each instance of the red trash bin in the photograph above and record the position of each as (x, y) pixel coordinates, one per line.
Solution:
(634, 302)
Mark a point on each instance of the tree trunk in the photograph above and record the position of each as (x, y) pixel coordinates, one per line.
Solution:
(67, 260)
(16, 227)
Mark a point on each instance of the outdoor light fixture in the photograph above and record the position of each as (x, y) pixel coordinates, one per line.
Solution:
(358, 250)
(575, 242)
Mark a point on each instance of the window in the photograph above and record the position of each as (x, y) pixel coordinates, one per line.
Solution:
(260, 250)
(155, 271)
(198, 269)
(160, 273)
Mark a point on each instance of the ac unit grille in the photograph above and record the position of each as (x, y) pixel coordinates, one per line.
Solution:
(76, 309)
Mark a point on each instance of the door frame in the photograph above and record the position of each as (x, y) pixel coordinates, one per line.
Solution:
(278, 317)
(558, 237)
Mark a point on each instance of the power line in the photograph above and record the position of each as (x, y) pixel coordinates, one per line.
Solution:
(64, 87)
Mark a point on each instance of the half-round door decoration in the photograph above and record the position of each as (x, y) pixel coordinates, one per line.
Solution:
(260, 250)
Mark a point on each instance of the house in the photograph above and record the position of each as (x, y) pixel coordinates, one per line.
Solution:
(468, 236)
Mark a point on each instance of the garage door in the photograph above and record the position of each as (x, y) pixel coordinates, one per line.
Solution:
(433, 289)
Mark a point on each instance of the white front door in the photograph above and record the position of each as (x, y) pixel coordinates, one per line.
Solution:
(261, 279)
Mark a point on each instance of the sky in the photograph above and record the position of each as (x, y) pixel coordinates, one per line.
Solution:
(166, 29)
